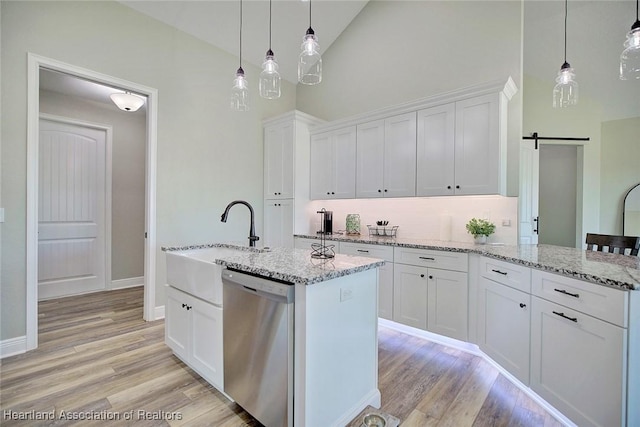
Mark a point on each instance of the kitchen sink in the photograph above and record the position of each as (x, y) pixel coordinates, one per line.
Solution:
(194, 270)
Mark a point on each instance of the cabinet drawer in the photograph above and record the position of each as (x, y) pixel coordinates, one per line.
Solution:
(304, 243)
(363, 249)
(604, 303)
(429, 258)
(513, 275)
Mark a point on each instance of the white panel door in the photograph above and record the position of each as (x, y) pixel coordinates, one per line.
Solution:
(436, 138)
(400, 156)
(71, 209)
(529, 189)
(278, 161)
(344, 163)
(477, 149)
(370, 159)
(278, 223)
(321, 170)
(447, 306)
(410, 295)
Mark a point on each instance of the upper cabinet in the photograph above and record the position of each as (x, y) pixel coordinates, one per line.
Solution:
(333, 159)
(449, 144)
(462, 147)
(386, 153)
(278, 160)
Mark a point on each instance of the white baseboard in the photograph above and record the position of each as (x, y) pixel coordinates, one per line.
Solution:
(372, 398)
(158, 313)
(475, 350)
(127, 283)
(13, 346)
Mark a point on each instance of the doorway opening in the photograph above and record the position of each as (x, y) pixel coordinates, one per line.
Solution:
(38, 65)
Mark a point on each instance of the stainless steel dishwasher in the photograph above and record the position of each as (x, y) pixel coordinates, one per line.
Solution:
(258, 346)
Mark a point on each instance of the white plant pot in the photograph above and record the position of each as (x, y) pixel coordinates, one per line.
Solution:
(480, 240)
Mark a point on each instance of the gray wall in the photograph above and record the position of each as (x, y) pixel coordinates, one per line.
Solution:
(207, 154)
(128, 175)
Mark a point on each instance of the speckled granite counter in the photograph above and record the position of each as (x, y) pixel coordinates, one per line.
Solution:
(619, 271)
(289, 265)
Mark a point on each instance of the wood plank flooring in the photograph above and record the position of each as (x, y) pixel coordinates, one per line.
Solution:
(97, 357)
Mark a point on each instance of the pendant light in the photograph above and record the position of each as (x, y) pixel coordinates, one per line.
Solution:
(240, 89)
(630, 57)
(565, 93)
(309, 61)
(269, 77)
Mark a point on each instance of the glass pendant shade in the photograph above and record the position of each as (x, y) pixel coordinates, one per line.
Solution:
(630, 57)
(127, 101)
(269, 78)
(309, 61)
(565, 93)
(240, 92)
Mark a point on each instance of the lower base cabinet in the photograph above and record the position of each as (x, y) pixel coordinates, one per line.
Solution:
(504, 326)
(431, 299)
(193, 330)
(578, 364)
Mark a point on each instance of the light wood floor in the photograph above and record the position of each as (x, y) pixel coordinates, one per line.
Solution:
(97, 356)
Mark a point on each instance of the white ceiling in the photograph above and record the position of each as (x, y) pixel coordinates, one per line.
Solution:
(596, 31)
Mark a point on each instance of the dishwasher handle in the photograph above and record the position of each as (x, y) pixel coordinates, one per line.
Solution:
(259, 285)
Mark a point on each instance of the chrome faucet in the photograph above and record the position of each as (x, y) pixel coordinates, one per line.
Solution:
(252, 229)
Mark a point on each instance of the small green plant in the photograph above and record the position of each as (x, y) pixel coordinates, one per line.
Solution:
(480, 227)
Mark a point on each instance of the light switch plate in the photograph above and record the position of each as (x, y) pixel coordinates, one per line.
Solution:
(345, 294)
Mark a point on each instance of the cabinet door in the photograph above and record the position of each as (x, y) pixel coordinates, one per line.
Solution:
(370, 159)
(477, 146)
(578, 364)
(447, 306)
(504, 326)
(176, 333)
(321, 170)
(278, 161)
(435, 151)
(385, 291)
(206, 341)
(400, 156)
(278, 223)
(410, 295)
(343, 163)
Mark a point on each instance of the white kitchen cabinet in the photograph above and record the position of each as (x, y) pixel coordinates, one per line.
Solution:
(278, 223)
(410, 290)
(386, 163)
(461, 147)
(333, 160)
(436, 151)
(504, 326)
(286, 176)
(578, 364)
(447, 303)
(385, 273)
(193, 330)
(278, 160)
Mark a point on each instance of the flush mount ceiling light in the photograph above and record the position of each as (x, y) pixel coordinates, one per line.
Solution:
(269, 77)
(309, 61)
(240, 89)
(565, 93)
(630, 57)
(127, 101)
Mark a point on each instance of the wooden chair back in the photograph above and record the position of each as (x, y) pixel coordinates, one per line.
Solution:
(597, 242)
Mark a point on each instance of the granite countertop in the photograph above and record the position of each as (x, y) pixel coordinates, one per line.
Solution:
(618, 271)
(289, 265)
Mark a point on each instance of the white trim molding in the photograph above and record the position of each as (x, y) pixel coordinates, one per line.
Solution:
(130, 282)
(35, 63)
(159, 312)
(13, 346)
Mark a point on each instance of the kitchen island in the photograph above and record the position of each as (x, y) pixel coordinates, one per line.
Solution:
(335, 353)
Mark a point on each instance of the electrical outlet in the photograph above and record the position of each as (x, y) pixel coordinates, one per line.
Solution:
(345, 294)
(506, 223)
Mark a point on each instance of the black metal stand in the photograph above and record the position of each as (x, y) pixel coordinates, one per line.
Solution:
(321, 250)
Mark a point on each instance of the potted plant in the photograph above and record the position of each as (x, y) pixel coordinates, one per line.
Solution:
(480, 229)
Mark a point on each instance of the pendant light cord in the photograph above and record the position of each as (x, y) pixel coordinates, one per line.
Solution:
(240, 34)
(309, 13)
(269, 24)
(566, 3)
